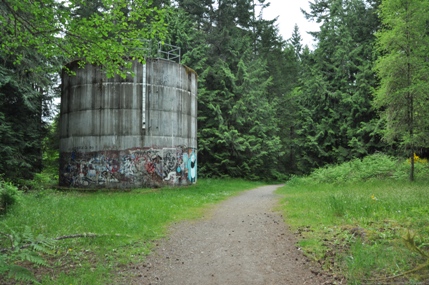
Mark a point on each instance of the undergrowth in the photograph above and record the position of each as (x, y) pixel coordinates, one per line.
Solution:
(18, 248)
(355, 219)
(9, 196)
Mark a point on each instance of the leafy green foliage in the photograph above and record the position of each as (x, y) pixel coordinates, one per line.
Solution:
(107, 32)
(373, 167)
(9, 195)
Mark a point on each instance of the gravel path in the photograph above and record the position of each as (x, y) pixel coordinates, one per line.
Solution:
(240, 241)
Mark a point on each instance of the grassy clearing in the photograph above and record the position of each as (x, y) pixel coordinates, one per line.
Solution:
(363, 220)
(125, 225)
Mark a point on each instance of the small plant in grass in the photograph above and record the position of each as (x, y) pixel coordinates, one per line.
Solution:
(337, 205)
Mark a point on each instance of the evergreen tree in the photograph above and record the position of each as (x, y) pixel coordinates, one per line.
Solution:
(235, 56)
(24, 96)
(336, 119)
(296, 41)
(286, 103)
(239, 138)
(404, 72)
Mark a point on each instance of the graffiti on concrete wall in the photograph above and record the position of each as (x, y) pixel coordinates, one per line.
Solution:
(191, 165)
(137, 166)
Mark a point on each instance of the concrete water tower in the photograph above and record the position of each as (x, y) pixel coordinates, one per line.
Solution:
(132, 132)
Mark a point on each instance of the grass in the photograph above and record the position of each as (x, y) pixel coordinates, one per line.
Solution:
(125, 225)
(356, 225)
(362, 221)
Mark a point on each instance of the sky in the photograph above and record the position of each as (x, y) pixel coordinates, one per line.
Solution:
(289, 14)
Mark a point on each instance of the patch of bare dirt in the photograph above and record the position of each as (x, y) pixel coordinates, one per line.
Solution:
(240, 241)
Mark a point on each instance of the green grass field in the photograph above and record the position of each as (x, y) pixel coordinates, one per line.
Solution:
(105, 230)
(363, 221)
(359, 225)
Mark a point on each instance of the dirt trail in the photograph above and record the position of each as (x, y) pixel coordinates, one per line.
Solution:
(240, 241)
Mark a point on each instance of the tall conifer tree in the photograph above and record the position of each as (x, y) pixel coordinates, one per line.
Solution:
(237, 128)
(336, 120)
(403, 68)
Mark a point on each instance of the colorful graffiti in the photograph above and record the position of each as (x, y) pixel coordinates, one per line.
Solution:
(129, 168)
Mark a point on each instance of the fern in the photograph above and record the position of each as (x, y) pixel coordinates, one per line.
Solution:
(3, 264)
(22, 247)
(20, 273)
(31, 256)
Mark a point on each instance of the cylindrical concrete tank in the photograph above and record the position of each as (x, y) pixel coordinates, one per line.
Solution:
(122, 133)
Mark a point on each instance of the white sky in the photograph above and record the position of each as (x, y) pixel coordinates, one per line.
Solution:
(289, 14)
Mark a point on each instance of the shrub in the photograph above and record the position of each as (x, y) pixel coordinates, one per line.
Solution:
(373, 167)
(9, 195)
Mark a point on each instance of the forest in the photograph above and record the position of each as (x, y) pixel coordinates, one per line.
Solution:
(343, 122)
(268, 108)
